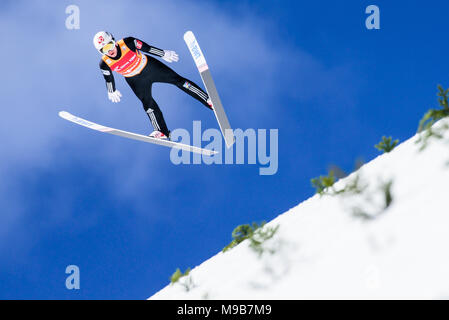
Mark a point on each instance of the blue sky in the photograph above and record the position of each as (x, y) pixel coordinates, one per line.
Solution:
(119, 209)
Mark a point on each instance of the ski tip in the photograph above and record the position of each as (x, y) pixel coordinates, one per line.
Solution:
(188, 35)
(63, 114)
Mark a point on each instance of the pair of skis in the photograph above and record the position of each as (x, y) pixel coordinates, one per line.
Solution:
(209, 84)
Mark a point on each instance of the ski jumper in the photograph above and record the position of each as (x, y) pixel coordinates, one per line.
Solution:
(141, 71)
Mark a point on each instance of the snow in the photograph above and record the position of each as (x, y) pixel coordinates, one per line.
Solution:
(322, 251)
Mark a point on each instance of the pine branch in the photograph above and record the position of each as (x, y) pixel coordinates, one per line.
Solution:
(323, 183)
(243, 232)
(431, 117)
(386, 145)
(178, 275)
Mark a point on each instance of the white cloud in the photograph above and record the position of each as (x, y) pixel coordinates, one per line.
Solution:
(51, 68)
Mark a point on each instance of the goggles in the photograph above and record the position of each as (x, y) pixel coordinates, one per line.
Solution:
(109, 46)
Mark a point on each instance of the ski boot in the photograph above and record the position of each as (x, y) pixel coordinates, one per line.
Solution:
(158, 135)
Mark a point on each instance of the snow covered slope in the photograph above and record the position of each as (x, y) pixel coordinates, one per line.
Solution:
(323, 251)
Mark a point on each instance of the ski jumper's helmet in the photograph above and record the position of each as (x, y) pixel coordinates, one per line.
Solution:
(104, 41)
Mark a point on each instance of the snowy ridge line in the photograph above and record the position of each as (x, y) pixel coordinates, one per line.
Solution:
(322, 251)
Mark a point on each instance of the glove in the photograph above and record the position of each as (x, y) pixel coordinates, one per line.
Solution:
(114, 96)
(170, 56)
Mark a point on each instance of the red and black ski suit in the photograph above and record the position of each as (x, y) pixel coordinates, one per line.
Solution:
(141, 71)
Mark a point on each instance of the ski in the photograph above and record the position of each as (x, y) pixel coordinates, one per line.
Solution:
(130, 135)
(206, 76)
